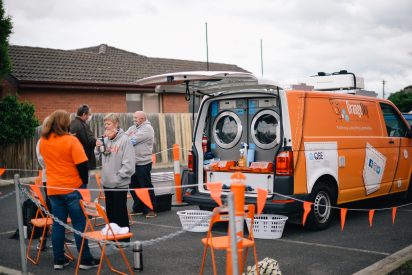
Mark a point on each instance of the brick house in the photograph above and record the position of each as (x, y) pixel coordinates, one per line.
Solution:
(101, 76)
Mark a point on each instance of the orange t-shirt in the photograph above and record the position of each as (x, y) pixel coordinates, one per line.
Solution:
(61, 154)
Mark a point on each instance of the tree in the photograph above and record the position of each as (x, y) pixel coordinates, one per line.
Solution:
(17, 120)
(402, 99)
(5, 31)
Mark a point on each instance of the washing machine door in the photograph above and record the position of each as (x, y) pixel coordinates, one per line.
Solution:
(265, 129)
(227, 129)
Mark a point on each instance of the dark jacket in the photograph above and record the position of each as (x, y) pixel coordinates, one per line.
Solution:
(82, 131)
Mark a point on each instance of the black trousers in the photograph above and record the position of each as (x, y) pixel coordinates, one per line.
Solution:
(116, 207)
(142, 179)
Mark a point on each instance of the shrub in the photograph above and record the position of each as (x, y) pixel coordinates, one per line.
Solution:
(17, 120)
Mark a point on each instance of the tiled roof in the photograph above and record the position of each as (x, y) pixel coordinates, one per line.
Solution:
(100, 64)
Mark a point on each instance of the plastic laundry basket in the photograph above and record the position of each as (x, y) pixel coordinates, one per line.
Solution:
(195, 220)
(268, 226)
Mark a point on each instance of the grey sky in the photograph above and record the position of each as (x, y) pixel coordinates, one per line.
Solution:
(371, 38)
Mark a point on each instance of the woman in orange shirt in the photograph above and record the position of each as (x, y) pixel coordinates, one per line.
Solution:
(66, 170)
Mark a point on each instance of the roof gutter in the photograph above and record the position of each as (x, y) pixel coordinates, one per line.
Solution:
(50, 85)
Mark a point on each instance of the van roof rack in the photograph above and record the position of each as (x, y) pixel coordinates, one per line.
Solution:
(336, 81)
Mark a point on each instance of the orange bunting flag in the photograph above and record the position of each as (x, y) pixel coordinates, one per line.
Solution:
(215, 191)
(343, 212)
(85, 194)
(261, 199)
(143, 194)
(306, 207)
(153, 159)
(37, 191)
(393, 214)
(371, 213)
(2, 170)
(37, 181)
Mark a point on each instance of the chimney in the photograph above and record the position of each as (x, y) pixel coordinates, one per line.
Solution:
(102, 48)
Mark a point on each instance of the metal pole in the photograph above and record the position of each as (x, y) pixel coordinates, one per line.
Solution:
(207, 50)
(261, 55)
(20, 225)
(383, 88)
(232, 231)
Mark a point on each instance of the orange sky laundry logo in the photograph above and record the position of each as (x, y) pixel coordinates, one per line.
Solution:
(348, 111)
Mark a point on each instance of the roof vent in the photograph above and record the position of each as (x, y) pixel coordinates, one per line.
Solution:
(102, 48)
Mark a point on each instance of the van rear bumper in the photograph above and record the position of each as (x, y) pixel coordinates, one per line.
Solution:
(274, 205)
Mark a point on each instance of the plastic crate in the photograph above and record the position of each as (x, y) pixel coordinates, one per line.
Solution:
(268, 226)
(195, 220)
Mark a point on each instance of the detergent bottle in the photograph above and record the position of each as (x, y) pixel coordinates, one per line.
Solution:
(243, 153)
(242, 159)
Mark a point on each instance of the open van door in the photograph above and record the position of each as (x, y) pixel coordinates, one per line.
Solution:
(204, 82)
(196, 76)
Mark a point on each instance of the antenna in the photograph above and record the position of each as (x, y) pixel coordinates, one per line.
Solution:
(261, 56)
(207, 49)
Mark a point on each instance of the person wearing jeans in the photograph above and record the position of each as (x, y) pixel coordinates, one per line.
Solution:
(64, 206)
(66, 171)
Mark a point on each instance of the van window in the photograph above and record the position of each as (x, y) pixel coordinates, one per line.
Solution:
(394, 124)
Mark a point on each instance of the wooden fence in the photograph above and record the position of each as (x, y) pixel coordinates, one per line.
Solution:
(169, 129)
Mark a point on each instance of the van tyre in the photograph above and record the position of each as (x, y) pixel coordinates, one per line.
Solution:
(321, 213)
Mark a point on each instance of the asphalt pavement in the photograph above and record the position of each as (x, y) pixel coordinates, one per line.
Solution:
(299, 251)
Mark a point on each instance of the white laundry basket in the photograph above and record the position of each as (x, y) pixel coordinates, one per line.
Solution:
(268, 226)
(195, 220)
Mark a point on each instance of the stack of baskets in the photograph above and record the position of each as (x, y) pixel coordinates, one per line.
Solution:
(195, 220)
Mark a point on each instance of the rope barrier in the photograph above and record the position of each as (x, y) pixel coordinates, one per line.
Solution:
(81, 234)
(223, 182)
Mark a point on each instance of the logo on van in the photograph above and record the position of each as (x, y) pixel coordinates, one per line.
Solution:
(316, 155)
(347, 111)
(374, 166)
(357, 109)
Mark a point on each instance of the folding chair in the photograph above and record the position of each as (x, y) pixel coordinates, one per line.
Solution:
(223, 242)
(93, 209)
(41, 220)
(102, 197)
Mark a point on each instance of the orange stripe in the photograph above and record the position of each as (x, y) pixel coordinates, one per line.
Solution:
(283, 201)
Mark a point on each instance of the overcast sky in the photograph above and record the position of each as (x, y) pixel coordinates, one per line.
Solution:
(371, 38)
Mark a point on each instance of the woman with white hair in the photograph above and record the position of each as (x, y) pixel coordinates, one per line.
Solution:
(118, 165)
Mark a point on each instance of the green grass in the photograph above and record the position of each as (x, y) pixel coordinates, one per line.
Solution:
(404, 269)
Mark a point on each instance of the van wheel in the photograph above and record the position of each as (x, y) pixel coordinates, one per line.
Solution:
(322, 213)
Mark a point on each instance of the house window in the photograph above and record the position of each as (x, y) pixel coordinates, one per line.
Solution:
(145, 102)
(133, 102)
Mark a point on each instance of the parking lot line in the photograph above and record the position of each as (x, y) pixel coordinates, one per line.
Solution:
(336, 247)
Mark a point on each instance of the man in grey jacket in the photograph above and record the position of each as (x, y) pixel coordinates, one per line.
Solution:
(142, 137)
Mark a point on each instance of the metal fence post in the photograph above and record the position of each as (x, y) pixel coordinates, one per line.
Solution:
(233, 235)
(20, 225)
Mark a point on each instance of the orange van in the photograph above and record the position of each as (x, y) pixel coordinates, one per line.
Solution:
(328, 145)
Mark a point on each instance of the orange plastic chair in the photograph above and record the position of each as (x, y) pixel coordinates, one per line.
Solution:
(223, 242)
(93, 209)
(101, 197)
(43, 221)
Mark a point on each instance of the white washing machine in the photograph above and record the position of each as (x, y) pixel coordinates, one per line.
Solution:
(228, 128)
(264, 129)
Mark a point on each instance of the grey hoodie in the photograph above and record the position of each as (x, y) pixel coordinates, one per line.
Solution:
(117, 166)
(144, 135)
